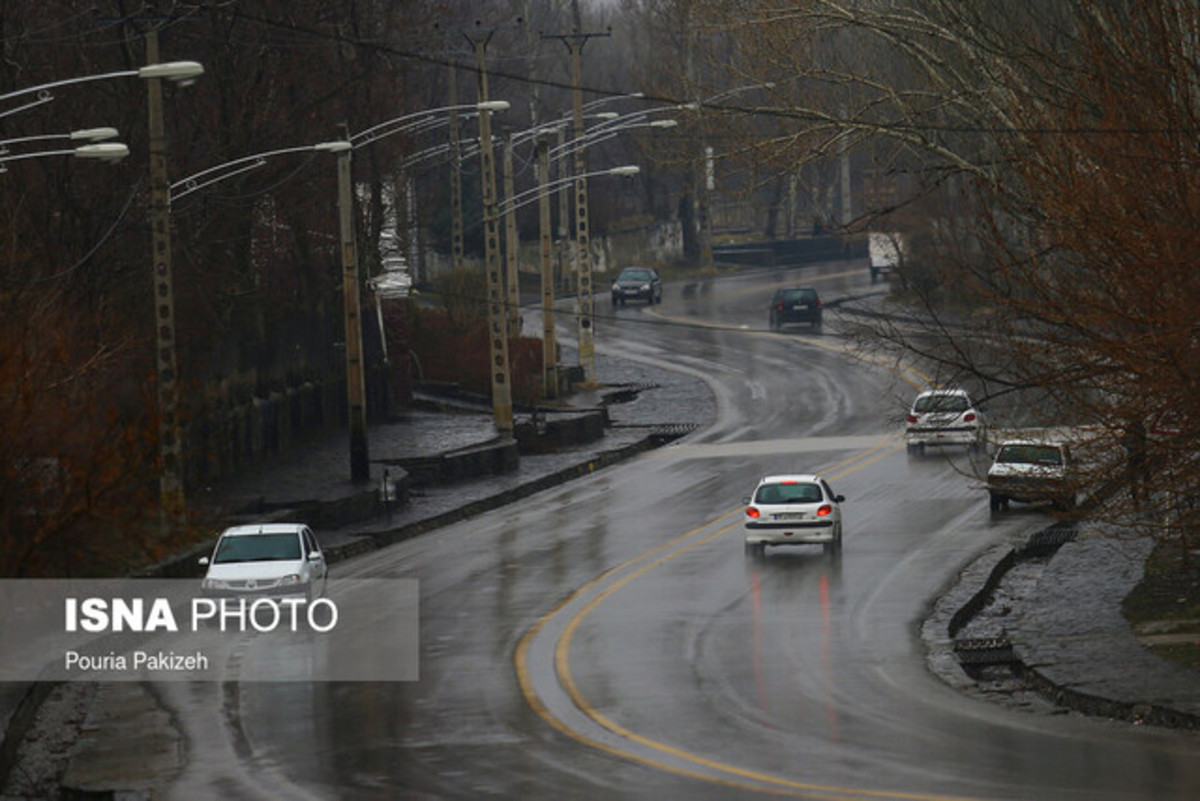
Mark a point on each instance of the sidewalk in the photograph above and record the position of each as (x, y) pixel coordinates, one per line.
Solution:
(643, 407)
(1079, 651)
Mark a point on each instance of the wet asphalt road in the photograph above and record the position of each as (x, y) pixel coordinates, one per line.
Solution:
(608, 638)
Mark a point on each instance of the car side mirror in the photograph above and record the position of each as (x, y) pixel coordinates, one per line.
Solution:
(203, 560)
(839, 498)
(746, 501)
(314, 556)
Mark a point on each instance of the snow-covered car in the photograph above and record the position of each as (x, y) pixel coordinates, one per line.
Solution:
(944, 417)
(792, 510)
(276, 559)
(1032, 471)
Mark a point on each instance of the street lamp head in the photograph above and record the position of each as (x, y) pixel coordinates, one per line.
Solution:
(104, 151)
(339, 146)
(493, 105)
(606, 115)
(93, 134)
(183, 73)
(663, 124)
(628, 169)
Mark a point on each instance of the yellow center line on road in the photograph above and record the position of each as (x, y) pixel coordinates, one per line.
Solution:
(708, 770)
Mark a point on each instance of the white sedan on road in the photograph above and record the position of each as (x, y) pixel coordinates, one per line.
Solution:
(796, 509)
(266, 559)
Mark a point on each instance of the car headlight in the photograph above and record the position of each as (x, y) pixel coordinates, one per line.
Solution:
(645, 287)
(291, 578)
(214, 584)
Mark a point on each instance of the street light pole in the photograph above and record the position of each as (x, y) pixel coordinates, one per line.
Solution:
(585, 300)
(456, 204)
(512, 252)
(360, 465)
(549, 346)
(170, 447)
(497, 324)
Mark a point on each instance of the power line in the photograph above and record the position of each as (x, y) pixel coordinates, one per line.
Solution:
(754, 111)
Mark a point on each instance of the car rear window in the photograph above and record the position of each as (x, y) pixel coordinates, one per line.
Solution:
(258, 548)
(941, 403)
(797, 296)
(1029, 454)
(789, 493)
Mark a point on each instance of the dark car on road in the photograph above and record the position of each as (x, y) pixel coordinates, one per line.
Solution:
(637, 283)
(799, 305)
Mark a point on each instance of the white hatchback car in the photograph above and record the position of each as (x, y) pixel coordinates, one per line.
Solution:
(793, 510)
(944, 417)
(273, 559)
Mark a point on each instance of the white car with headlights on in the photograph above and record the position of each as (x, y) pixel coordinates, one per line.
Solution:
(268, 559)
(637, 283)
(797, 509)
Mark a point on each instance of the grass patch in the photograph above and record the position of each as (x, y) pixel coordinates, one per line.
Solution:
(1164, 607)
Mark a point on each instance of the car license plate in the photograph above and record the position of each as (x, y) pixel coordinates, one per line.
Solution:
(790, 516)
(800, 307)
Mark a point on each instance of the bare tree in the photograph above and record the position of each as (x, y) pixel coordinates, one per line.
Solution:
(1047, 157)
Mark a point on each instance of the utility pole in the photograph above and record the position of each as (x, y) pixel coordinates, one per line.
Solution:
(456, 203)
(585, 311)
(549, 346)
(360, 465)
(512, 249)
(566, 274)
(170, 447)
(497, 324)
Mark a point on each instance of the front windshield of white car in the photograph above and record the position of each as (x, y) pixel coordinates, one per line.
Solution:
(258, 548)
